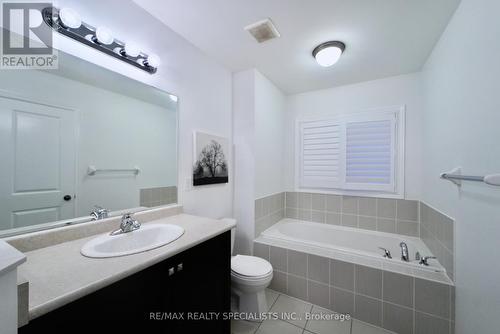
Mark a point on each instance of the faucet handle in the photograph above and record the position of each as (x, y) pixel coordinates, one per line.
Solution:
(424, 260)
(127, 215)
(387, 253)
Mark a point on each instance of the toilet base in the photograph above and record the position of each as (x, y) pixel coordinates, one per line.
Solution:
(255, 303)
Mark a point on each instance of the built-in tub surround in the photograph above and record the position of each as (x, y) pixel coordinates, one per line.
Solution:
(356, 245)
(397, 301)
(397, 216)
(437, 232)
(370, 213)
(268, 211)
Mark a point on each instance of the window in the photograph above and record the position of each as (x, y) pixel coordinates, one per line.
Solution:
(362, 152)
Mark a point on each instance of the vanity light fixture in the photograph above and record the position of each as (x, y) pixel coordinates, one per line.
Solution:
(328, 53)
(68, 23)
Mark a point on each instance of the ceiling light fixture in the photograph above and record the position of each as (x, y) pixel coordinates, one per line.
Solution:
(68, 23)
(328, 53)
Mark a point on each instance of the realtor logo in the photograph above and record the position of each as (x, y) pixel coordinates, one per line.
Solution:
(26, 39)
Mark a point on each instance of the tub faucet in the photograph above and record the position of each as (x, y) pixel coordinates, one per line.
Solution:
(404, 252)
(387, 253)
(424, 260)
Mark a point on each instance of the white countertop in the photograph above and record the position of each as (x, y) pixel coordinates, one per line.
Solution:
(10, 257)
(59, 274)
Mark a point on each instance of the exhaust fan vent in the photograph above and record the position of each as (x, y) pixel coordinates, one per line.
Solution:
(263, 30)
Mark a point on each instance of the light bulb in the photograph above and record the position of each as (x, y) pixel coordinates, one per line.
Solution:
(132, 49)
(173, 98)
(104, 35)
(153, 60)
(327, 54)
(70, 18)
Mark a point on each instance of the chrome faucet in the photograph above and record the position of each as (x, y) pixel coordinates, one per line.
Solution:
(99, 213)
(387, 253)
(424, 260)
(404, 252)
(128, 224)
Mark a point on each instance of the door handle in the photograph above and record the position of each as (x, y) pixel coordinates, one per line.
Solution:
(67, 198)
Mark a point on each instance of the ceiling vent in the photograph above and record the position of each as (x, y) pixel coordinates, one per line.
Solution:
(263, 30)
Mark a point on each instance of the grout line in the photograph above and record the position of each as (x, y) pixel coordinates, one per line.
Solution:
(329, 281)
(382, 298)
(434, 316)
(357, 212)
(413, 304)
(311, 305)
(354, 289)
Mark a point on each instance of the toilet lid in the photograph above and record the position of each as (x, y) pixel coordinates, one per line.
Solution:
(250, 265)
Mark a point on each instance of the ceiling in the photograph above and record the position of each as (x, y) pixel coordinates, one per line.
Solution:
(383, 37)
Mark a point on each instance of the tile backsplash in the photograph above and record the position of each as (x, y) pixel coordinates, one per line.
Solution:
(268, 211)
(369, 213)
(152, 197)
(437, 232)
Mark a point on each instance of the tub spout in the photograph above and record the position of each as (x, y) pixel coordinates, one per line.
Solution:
(404, 252)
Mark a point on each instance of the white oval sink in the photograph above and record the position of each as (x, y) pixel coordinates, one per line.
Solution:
(148, 237)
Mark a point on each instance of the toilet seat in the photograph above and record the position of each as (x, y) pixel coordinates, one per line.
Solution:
(250, 267)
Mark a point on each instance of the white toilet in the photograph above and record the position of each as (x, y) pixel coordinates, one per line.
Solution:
(250, 276)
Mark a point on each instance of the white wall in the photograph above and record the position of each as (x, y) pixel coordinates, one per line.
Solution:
(269, 137)
(258, 127)
(203, 87)
(244, 159)
(462, 115)
(394, 91)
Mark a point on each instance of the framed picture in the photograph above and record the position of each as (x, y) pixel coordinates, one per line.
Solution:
(210, 159)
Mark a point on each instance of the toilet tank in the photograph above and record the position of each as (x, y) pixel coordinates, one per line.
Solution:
(233, 231)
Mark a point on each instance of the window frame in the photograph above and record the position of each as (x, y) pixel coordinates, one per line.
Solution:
(399, 153)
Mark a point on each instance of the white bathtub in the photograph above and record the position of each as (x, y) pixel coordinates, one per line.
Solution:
(353, 245)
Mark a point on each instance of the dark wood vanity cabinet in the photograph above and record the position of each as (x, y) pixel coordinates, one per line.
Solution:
(164, 298)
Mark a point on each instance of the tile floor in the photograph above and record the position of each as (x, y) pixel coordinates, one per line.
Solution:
(281, 303)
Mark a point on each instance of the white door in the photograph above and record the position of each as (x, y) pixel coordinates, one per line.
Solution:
(37, 163)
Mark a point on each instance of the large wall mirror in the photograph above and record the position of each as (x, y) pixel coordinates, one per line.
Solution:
(80, 137)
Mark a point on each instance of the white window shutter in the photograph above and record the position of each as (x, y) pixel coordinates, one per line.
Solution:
(370, 153)
(361, 152)
(320, 149)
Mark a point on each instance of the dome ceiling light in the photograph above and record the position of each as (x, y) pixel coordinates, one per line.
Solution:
(328, 53)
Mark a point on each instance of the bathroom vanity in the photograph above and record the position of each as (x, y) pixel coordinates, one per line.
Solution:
(183, 287)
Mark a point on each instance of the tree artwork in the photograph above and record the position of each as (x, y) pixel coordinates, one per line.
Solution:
(210, 166)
